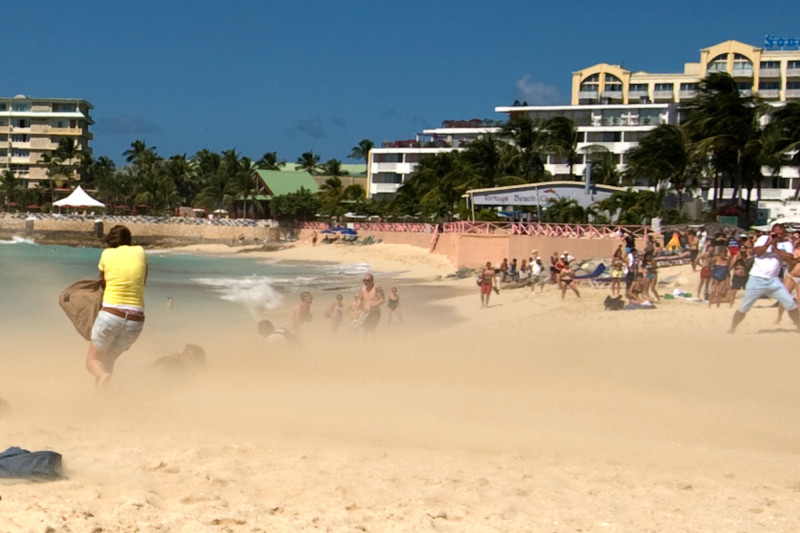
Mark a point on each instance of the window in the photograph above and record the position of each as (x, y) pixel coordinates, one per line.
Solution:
(21, 107)
(638, 88)
(388, 158)
(614, 87)
(745, 86)
(770, 65)
(19, 169)
(594, 78)
(16, 152)
(635, 136)
(793, 64)
(20, 138)
(663, 87)
(413, 158)
(689, 86)
(60, 124)
(22, 123)
(2, 107)
(387, 177)
(604, 136)
(768, 85)
(63, 108)
(792, 85)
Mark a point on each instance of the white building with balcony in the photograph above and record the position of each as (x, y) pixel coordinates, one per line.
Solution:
(32, 127)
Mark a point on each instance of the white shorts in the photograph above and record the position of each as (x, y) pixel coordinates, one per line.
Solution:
(115, 334)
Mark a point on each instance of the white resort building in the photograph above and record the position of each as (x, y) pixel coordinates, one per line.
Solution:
(614, 107)
(32, 127)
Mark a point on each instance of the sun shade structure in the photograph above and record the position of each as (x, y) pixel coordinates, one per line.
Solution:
(79, 199)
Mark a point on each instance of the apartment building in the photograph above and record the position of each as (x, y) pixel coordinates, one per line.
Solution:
(614, 108)
(32, 127)
(771, 71)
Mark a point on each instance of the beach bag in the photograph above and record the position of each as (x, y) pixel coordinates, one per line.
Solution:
(81, 301)
(613, 304)
(18, 463)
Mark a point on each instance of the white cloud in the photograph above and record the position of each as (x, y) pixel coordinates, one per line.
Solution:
(537, 93)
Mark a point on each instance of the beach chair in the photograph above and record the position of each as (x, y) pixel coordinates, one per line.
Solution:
(597, 272)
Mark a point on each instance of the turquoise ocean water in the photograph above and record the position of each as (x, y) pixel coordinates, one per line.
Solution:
(202, 287)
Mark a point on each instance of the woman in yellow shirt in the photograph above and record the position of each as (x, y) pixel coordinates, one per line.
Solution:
(123, 272)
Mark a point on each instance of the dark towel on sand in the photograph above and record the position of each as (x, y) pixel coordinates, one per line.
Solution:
(18, 463)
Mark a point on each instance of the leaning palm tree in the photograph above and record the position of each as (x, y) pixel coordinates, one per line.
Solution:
(662, 157)
(308, 161)
(782, 139)
(362, 150)
(333, 168)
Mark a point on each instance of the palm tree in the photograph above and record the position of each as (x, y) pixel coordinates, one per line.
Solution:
(662, 157)
(308, 161)
(362, 150)
(723, 125)
(782, 139)
(333, 168)
(485, 156)
(11, 186)
(136, 150)
(561, 139)
(270, 161)
(437, 183)
(527, 138)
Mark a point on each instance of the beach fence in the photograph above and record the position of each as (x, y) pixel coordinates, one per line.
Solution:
(470, 244)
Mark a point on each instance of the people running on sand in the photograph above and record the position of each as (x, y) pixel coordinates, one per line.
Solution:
(123, 273)
(336, 313)
(301, 313)
(370, 302)
(393, 305)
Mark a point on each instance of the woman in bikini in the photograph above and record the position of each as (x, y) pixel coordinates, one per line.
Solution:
(567, 277)
(741, 264)
(617, 271)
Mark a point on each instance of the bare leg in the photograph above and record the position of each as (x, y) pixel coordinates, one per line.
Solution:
(794, 314)
(738, 316)
(100, 364)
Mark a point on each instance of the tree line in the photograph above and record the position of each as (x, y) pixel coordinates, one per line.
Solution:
(725, 139)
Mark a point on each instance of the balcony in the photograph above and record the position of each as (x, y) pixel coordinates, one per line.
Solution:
(663, 95)
(769, 93)
(632, 95)
(793, 72)
(687, 93)
(769, 73)
(614, 95)
(792, 93)
(742, 72)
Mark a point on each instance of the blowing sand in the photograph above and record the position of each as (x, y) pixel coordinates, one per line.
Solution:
(535, 414)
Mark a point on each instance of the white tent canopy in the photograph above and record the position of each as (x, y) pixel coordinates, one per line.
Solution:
(78, 198)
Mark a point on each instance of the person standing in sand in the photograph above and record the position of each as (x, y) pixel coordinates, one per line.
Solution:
(336, 313)
(370, 302)
(770, 251)
(486, 281)
(123, 274)
(567, 277)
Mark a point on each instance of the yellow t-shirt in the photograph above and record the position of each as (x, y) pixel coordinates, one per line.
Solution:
(125, 270)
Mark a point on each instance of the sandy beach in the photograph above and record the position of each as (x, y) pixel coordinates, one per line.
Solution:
(535, 414)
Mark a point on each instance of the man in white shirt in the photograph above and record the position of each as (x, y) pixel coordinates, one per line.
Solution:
(770, 252)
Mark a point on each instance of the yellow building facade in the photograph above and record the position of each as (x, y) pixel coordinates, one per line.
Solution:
(772, 74)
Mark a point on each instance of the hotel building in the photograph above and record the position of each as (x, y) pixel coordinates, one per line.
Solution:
(614, 107)
(33, 127)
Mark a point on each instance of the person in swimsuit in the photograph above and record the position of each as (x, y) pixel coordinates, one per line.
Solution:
(372, 298)
(567, 278)
(336, 312)
(301, 313)
(791, 281)
(720, 270)
(739, 267)
(705, 275)
(650, 275)
(486, 280)
(617, 271)
(393, 304)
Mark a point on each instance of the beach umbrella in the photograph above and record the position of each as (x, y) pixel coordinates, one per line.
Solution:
(347, 231)
(328, 231)
(34, 206)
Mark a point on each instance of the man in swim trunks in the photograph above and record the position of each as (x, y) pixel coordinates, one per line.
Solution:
(487, 280)
(770, 251)
(372, 298)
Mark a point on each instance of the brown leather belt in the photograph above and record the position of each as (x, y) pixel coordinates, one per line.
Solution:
(135, 317)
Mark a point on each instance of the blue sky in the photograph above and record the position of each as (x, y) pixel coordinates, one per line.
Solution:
(322, 75)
